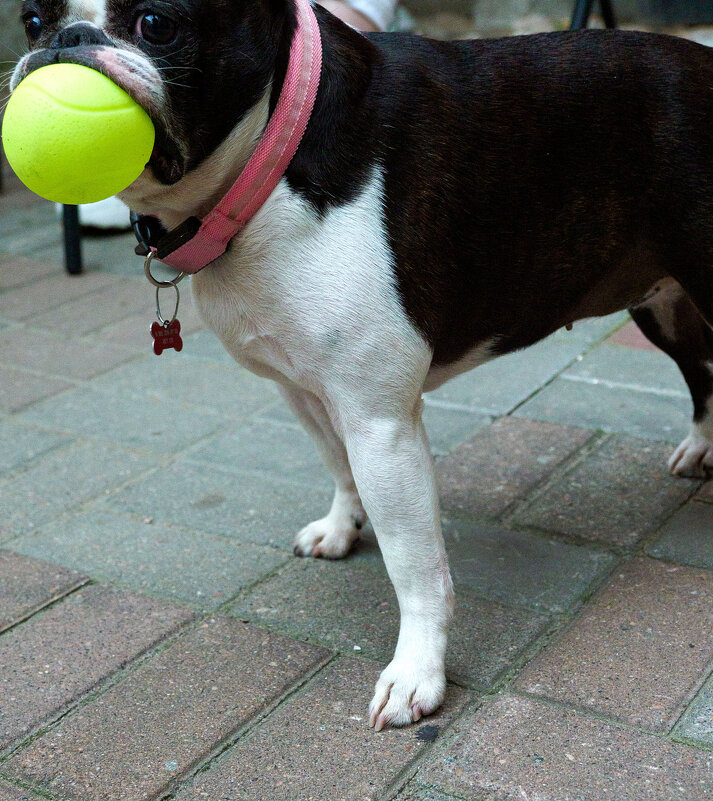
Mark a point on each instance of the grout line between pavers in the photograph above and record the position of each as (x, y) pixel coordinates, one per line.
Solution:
(45, 607)
(444, 741)
(23, 785)
(419, 784)
(557, 626)
(543, 639)
(540, 533)
(594, 444)
(80, 440)
(75, 381)
(50, 306)
(690, 699)
(650, 537)
(105, 684)
(121, 674)
(453, 406)
(72, 438)
(25, 464)
(638, 388)
(548, 536)
(585, 350)
(130, 354)
(226, 418)
(107, 492)
(554, 629)
(100, 578)
(107, 581)
(78, 584)
(403, 776)
(205, 763)
(411, 768)
(563, 468)
(594, 714)
(574, 540)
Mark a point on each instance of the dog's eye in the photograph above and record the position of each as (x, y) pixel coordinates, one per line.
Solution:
(33, 28)
(156, 28)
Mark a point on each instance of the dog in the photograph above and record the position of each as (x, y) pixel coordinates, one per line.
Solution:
(446, 204)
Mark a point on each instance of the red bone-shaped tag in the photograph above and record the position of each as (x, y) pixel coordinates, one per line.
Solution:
(166, 336)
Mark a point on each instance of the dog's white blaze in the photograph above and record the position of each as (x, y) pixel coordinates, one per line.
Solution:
(89, 10)
(311, 301)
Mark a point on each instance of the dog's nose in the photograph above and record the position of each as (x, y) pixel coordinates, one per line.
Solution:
(80, 34)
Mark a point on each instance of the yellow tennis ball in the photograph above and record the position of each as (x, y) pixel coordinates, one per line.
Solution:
(73, 136)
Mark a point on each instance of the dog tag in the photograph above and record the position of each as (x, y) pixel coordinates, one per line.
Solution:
(166, 333)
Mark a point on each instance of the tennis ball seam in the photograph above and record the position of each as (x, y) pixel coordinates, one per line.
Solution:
(127, 104)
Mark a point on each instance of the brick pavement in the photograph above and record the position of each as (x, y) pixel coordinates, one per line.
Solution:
(159, 641)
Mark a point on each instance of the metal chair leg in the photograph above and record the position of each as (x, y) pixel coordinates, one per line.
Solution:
(583, 11)
(608, 13)
(580, 15)
(72, 240)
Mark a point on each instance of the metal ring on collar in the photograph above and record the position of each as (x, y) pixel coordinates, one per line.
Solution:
(159, 284)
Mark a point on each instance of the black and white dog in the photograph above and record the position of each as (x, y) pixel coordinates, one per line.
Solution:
(449, 202)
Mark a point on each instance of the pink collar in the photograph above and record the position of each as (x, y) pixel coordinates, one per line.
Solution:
(268, 163)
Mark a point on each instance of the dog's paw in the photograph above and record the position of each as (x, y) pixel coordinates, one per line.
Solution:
(405, 692)
(693, 458)
(331, 537)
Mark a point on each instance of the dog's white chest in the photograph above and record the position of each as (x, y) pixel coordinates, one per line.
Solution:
(298, 295)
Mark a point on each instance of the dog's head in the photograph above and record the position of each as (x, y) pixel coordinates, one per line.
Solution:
(196, 66)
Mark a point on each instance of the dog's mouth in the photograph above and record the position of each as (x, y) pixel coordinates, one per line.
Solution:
(139, 79)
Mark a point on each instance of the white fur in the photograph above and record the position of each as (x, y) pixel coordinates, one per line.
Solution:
(694, 456)
(310, 301)
(333, 535)
(90, 10)
(481, 353)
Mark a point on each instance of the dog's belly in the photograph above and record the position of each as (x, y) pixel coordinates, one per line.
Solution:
(439, 374)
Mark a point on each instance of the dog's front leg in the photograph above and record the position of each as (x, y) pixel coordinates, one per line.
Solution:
(331, 536)
(393, 468)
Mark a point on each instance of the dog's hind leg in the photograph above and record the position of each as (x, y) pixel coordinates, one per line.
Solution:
(333, 536)
(672, 322)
